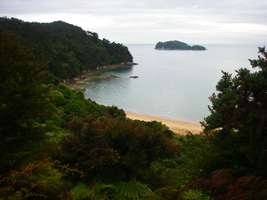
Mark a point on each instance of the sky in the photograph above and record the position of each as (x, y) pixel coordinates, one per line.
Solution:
(150, 21)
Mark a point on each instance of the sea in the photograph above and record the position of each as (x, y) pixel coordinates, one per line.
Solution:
(174, 84)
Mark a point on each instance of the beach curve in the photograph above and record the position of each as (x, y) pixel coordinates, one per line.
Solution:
(179, 127)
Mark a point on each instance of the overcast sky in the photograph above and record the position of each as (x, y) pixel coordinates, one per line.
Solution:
(149, 21)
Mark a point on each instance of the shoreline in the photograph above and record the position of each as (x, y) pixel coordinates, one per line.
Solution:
(179, 127)
(79, 82)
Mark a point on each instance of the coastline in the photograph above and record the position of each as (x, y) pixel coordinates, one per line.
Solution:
(79, 82)
(179, 127)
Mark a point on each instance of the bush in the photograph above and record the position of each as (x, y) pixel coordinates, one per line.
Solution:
(107, 146)
(37, 180)
(120, 191)
(194, 195)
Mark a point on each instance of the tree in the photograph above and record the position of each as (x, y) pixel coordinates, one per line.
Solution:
(23, 101)
(68, 49)
(104, 146)
(239, 115)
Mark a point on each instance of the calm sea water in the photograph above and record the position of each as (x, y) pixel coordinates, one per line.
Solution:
(174, 84)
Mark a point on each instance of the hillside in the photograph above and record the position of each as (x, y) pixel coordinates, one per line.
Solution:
(57, 145)
(177, 45)
(68, 49)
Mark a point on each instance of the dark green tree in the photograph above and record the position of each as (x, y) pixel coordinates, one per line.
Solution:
(239, 116)
(23, 101)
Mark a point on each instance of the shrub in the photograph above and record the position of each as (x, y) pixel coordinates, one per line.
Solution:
(120, 191)
(105, 146)
(194, 195)
(37, 180)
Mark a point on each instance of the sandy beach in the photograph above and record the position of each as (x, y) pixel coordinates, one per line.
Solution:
(179, 127)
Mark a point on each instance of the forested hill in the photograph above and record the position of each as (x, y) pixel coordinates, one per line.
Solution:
(178, 45)
(68, 49)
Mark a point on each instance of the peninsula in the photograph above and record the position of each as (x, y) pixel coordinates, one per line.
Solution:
(69, 50)
(178, 45)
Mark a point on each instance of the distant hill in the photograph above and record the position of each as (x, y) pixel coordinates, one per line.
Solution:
(177, 45)
(68, 48)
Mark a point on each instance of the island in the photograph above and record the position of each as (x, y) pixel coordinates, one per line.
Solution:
(178, 45)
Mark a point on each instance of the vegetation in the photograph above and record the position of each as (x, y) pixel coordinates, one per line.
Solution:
(238, 117)
(67, 49)
(55, 144)
(177, 45)
(24, 104)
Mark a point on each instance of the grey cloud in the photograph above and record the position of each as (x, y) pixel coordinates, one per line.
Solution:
(224, 19)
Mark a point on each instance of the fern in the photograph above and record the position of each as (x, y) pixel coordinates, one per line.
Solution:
(195, 195)
(132, 190)
(81, 192)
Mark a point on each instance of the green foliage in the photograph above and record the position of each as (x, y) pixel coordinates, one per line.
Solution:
(194, 195)
(81, 192)
(120, 191)
(37, 180)
(53, 139)
(102, 147)
(167, 193)
(132, 190)
(42, 121)
(196, 158)
(24, 106)
(68, 49)
(163, 173)
(72, 104)
(238, 116)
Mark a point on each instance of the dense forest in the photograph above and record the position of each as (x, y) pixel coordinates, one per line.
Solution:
(55, 144)
(67, 49)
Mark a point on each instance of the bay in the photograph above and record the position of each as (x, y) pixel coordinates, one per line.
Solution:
(173, 84)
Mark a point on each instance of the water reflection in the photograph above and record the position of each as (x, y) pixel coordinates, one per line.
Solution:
(171, 83)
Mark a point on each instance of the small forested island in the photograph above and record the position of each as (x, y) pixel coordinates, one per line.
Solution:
(178, 45)
(57, 145)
